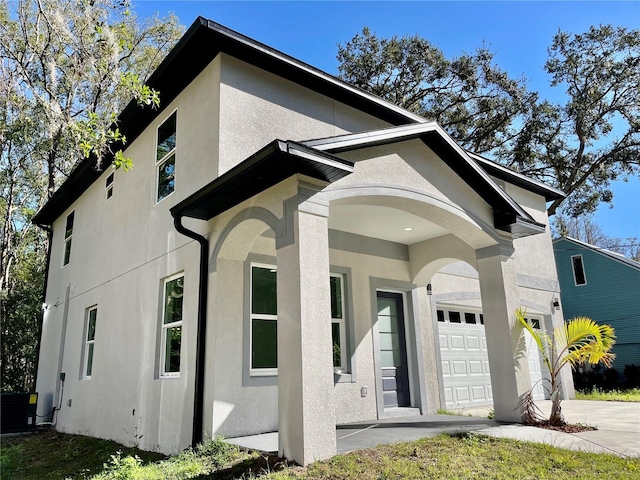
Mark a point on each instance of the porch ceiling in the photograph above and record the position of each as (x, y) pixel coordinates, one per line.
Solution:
(383, 222)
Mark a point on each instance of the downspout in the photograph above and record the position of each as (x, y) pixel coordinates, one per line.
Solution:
(198, 401)
(49, 231)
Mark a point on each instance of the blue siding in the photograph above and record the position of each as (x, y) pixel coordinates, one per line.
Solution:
(611, 295)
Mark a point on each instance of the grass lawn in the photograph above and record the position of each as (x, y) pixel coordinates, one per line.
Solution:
(628, 395)
(45, 455)
(464, 456)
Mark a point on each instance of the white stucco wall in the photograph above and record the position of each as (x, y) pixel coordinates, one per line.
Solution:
(258, 107)
(122, 248)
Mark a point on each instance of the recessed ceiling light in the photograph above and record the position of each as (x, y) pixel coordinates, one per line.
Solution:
(407, 229)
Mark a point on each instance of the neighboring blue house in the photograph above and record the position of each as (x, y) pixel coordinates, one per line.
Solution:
(604, 286)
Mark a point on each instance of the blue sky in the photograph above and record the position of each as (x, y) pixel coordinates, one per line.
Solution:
(519, 33)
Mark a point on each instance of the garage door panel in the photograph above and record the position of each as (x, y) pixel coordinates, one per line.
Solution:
(473, 342)
(465, 366)
(475, 367)
(479, 392)
(459, 367)
(456, 342)
(462, 394)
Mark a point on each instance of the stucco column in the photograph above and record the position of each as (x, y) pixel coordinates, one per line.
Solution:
(306, 409)
(506, 348)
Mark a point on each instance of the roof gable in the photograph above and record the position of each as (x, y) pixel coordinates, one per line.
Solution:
(601, 251)
(508, 215)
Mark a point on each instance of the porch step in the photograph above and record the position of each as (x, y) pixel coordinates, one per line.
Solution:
(401, 412)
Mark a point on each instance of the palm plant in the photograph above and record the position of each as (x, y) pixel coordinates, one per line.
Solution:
(575, 342)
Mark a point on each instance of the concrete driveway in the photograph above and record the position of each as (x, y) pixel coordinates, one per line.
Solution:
(618, 426)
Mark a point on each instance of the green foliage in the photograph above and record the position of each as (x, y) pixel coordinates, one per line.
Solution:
(67, 69)
(472, 98)
(457, 456)
(579, 146)
(576, 342)
(615, 395)
(55, 455)
(10, 461)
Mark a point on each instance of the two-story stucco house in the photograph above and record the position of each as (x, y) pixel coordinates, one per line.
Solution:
(288, 254)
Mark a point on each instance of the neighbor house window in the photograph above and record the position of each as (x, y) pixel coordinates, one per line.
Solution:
(92, 314)
(108, 186)
(578, 270)
(264, 320)
(166, 158)
(171, 337)
(68, 232)
(338, 328)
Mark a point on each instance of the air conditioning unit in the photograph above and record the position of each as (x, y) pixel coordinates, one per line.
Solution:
(18, 412)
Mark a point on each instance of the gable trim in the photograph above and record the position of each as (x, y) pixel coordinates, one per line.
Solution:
(508, 215)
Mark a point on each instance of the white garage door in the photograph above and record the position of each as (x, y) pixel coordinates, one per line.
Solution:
(465, 365)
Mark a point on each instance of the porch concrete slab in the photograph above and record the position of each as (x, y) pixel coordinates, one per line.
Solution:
(356, 436)
(264, 442)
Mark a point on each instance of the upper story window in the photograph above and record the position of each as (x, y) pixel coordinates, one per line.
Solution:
(108, 186)
(578, 270)
(68, 233)
(171, 338)
(166, 158)
(92, 315)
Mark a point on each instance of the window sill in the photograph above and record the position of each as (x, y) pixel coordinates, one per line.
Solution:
(342, 378)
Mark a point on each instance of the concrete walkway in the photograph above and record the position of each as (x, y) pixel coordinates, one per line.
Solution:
(618, 431)
(618, 427)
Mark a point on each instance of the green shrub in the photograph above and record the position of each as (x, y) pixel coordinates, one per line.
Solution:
(10, 460)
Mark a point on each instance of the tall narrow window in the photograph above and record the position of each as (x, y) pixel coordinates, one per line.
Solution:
(578, 270)
(90, 338)
(166, 158)
(338, 329)
(172, 326)
(108, 186)
(264, 320)
(68, 233)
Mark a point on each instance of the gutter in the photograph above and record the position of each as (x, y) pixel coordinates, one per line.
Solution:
(203, 288)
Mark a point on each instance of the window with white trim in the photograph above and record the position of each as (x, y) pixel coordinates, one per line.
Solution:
(166, 158)
(68, 233)
(578, 270)
(90, 338)
(264, 320)
(108, 186)
(171, 337)
(338, 327)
